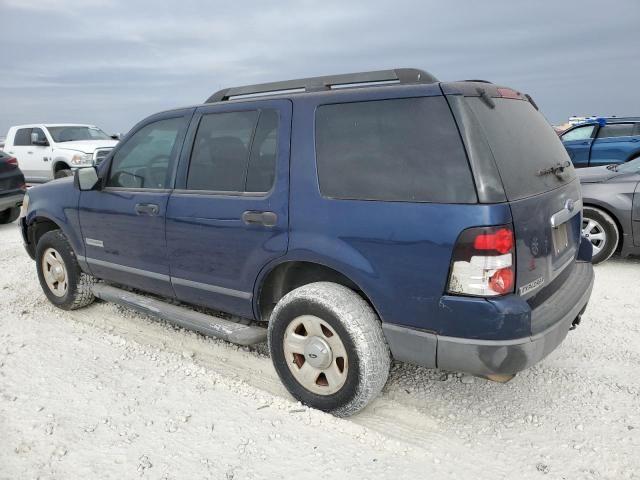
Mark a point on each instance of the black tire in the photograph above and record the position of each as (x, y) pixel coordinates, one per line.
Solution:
(65, 172)
(359, 330)
(602, 224)
(79, 292)
(9, 215)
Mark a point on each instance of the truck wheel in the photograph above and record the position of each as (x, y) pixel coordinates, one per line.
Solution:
(601, 230)
(62, 281)
(9, 215)
(328, 348)
(65, 172)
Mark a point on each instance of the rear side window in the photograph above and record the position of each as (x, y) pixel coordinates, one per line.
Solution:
(234, 152)
(523, 145)
(406, 150)
(616, 130)
(23, 137)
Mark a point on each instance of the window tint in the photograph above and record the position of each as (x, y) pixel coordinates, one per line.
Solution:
(262, 164)
(522, 143)
(221, 152)
(579, 133)
(395, 150)
(23, 137)
(146, 159)
(234, 152)
(616, 130)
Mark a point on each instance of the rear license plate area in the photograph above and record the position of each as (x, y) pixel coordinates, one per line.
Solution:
(560, 239)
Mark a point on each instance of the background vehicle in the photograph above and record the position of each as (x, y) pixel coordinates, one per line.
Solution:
(330, 213)
(602, 141)
(51, 151)
(12, 188)
(611, 218)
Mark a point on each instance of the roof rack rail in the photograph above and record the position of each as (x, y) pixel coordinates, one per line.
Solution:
(314, 84)
(476, 81)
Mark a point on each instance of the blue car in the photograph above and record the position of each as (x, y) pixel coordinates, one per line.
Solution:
(603, 141)
(347, 220)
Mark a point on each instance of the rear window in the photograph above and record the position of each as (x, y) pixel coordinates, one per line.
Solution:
(23, 137)
(616, 130)
(523, 145)
(406, 150)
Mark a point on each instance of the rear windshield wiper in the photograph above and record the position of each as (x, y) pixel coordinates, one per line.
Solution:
(557, 169)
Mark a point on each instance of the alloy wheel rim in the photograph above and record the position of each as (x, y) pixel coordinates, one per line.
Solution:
(55, 272)
(595, 233)
(315, 355)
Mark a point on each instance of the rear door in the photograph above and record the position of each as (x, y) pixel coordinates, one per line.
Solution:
(578, 143)
(614, 144)
(28, 155)
(123, 223)
(541, 187)
(228, 216)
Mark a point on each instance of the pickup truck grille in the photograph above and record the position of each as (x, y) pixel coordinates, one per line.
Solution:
(101, 154)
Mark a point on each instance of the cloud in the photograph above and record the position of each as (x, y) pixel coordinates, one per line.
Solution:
(113, 62)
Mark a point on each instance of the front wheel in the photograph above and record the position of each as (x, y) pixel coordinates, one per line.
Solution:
(328, 348)
(61, 279)
(65, 172)
(601, 230)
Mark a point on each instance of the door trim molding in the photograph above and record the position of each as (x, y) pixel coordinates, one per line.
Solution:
(178, 281)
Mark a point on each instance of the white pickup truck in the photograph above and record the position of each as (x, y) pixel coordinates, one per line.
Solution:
(45, 152)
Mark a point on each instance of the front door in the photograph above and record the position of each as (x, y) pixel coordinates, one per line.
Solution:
(578, 142)
(123, 223)
(228, 216)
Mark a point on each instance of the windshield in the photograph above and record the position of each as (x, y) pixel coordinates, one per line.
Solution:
(630, 167)
(72, 133)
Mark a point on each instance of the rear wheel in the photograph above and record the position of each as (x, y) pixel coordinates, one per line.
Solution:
(9, 215)
(61, 279)
(328, 348)
(601, 230)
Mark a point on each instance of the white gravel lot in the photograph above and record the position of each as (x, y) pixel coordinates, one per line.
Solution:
(104, 392)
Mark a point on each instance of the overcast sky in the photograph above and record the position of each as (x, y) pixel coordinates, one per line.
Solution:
(111, 63)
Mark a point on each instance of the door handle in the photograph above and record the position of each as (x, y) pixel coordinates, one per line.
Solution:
(268, 219)
(30, 153)
(634, 140)
(147, 209)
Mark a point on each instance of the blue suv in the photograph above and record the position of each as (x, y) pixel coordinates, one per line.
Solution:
(603, 141)
(347, 220)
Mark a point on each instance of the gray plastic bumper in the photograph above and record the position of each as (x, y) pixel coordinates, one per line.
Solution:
(497, 357)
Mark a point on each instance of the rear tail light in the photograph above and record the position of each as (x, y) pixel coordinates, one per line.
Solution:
(23, 187)
(13, 161)
(483, 262)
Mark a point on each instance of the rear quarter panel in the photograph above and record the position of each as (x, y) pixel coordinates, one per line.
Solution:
(398, 253)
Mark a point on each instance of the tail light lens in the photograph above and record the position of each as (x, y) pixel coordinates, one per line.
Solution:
(12, 161)
(23, 187)
(483, 262)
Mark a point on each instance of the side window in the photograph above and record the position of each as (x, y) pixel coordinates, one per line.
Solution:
(579, 133)
(146, 160)
(264, 152)
(403, 150)
(234, 152)
(41, 136)
(616, 130)
(23, 137)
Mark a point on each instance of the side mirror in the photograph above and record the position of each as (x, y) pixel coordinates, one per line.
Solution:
(36, 140)
(115, 136)
(86, 178)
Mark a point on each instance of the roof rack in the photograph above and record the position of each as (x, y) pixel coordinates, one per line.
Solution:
(315, 84)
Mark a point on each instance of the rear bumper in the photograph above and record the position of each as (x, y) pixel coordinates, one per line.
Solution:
(11, 201)
(498, 357)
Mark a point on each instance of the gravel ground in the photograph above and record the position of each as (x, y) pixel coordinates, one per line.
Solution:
(104, 392)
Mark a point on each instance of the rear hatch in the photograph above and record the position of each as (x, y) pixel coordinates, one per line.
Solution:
(517, 157)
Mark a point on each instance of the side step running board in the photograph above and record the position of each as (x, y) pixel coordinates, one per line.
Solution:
(184, 317)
